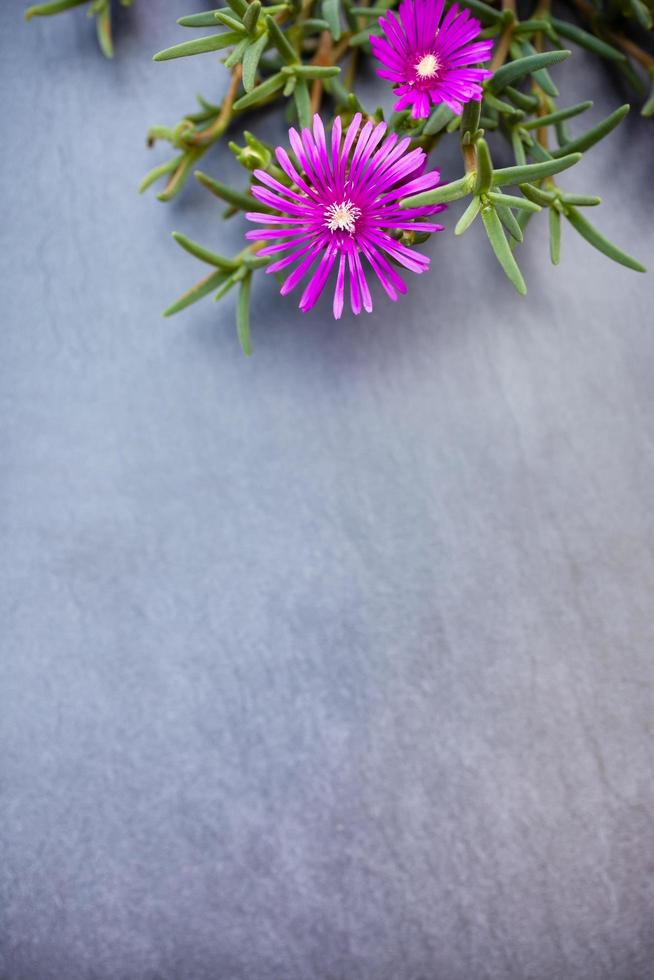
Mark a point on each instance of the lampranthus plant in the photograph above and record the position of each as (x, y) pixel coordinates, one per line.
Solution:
(340, 209)
(480, 75)
(431, 59)
(354, 192)
(435, 56)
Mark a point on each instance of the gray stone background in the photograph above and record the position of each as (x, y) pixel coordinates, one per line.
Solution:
(336, 662)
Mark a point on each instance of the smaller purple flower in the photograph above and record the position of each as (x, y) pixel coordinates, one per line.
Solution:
(427, 62)
(343, 202)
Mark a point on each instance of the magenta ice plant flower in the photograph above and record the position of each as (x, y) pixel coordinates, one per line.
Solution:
(429, 60)
(340, 210)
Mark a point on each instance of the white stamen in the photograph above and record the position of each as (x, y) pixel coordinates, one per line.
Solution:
(428, 66)
(342, 217)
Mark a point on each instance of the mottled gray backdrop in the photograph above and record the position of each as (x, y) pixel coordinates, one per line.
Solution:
(336, 663)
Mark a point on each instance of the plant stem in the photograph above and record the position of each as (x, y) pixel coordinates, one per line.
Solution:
(224, 117)
(502, 50)
(469, 157)
(323, 56)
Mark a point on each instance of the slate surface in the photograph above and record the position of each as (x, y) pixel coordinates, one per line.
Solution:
(335, 663)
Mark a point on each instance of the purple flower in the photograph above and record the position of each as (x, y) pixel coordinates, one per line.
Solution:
(426, 61)
(339, 211)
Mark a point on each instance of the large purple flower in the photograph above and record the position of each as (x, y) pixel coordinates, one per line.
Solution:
(426, 61)
(339, 211)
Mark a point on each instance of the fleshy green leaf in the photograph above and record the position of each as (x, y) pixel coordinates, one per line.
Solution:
(160, 171)
(518, 146)
(103, 31)
(522, 99)
(228, 21)
(251, 16)
(281, 42)
(261, 92)
(202, 288)
(586, 40)
(513, 71)
(313, 25)
(470, 118)
(56, 7)
(592, 235)
(238, 52)
(531, 25)
(511, 201)
(500, 246)
(179, 176)
(483, 10)
(251, 60)
(648, 108)
(508, 220)
(312, 71)
(238, 6)
(641, 13)
(534, 171)
(441, 195)
(287, 91)
(243, 314)
(237, 199)
(205, 19)
(538, 195)
(228, 283)
(538, 152)
(438, 120)
(204, 254)
(363, 37)
(468, 216)
(303, 103)
(540, 75)
(563, 134)
(523, 218)
(371, 12)
(555, 236)
(554, 117)
(499, 105)
(331, 13)
(484, 168)
(581, 200)
(201, 45)
(593, 135)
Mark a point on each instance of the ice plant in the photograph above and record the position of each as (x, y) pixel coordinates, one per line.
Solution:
(347, 212)
(342, 210)
(429, 60)
(358, 201)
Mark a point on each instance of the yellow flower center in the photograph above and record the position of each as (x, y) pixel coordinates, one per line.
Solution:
(427, 66)
(342, 217)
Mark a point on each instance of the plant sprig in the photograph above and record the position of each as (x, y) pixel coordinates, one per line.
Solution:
(306, 54)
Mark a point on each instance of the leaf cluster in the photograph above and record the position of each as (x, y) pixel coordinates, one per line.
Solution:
(305, 54)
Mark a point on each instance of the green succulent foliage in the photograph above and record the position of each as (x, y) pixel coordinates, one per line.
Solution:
(303, 54)
(538, 190)
(100, 9)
